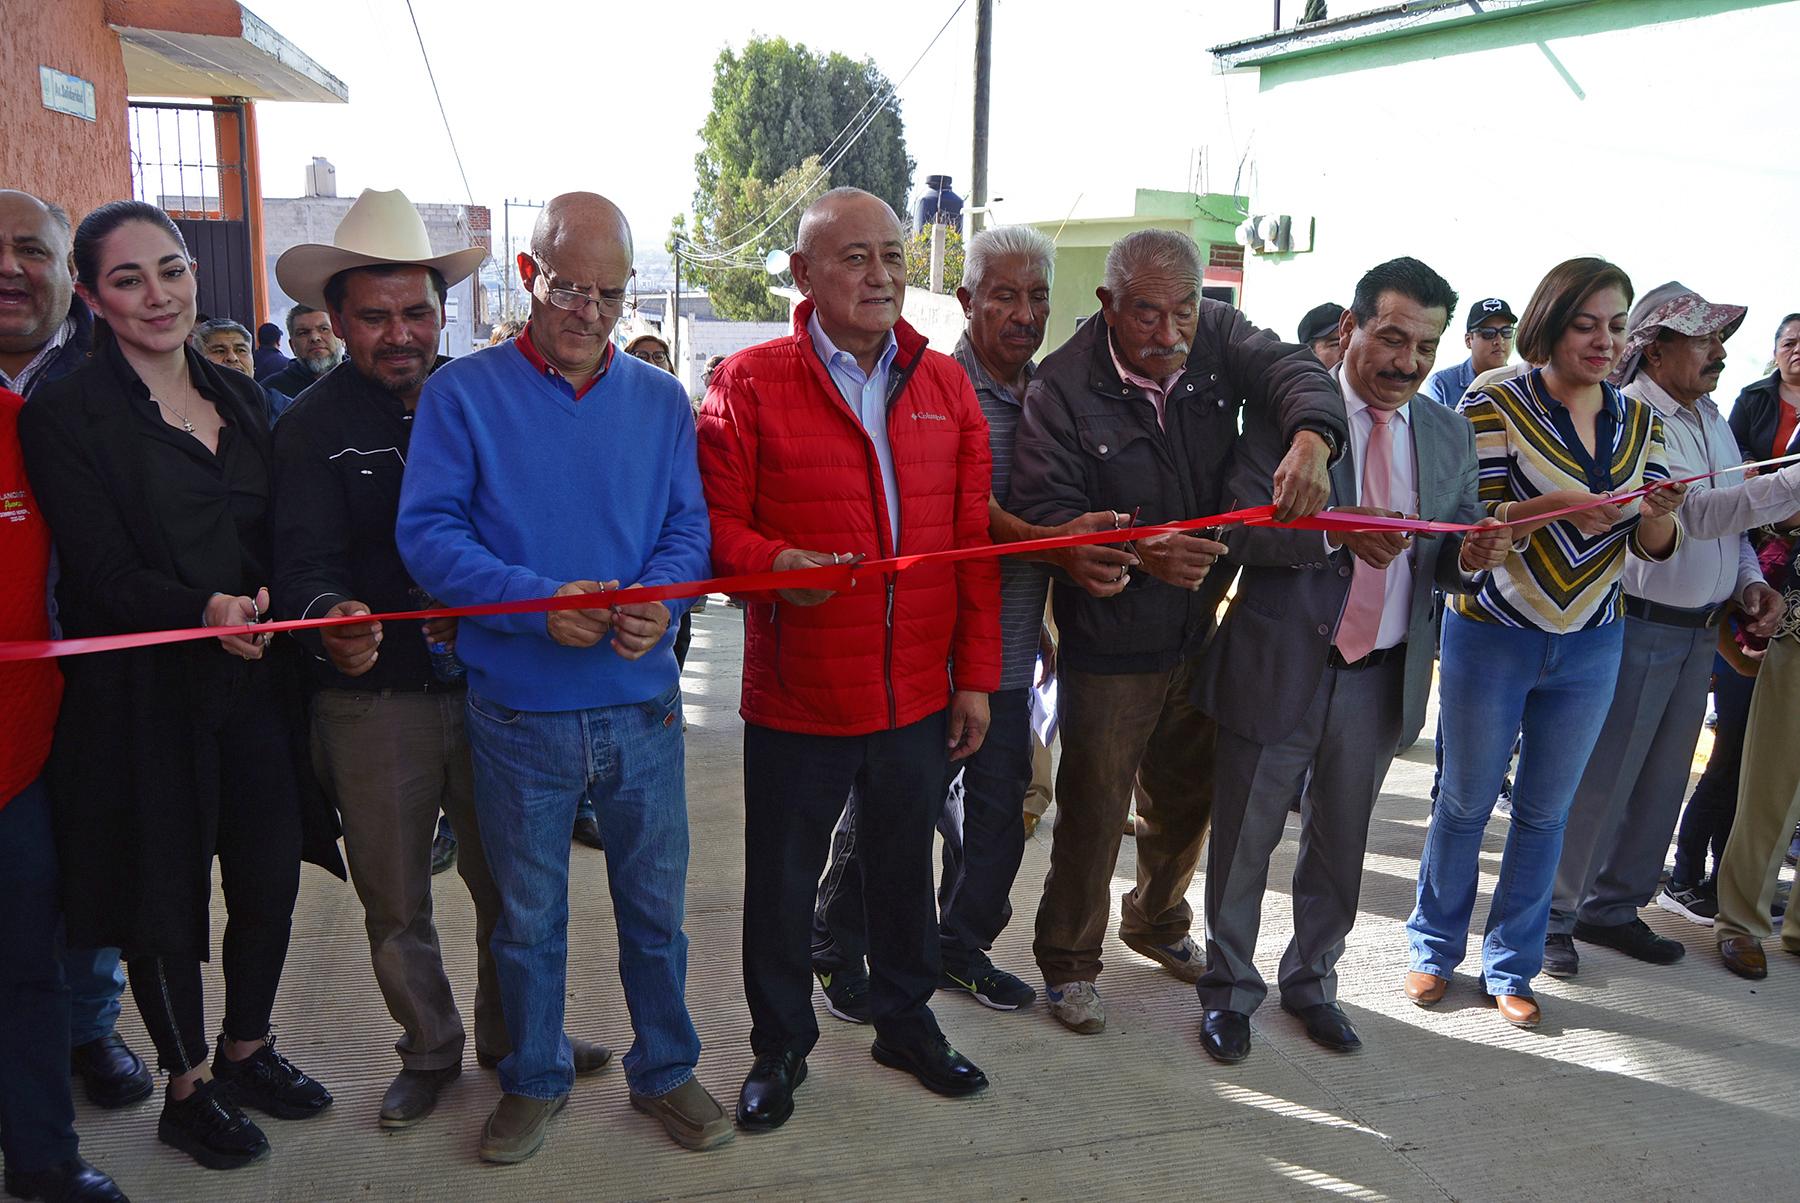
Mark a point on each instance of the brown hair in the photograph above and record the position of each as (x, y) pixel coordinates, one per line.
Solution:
(1557, 299)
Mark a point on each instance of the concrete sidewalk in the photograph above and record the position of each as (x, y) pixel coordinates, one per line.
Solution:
(1644, 1083)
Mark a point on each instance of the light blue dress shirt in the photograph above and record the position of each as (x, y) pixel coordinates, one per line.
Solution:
(866, 393)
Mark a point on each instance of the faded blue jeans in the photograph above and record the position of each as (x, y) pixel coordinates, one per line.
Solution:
(530, 769)
(1493, 681)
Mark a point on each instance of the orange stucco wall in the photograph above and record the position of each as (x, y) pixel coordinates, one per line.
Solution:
(75, 163)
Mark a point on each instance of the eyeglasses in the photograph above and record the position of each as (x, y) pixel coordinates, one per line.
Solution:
(1490, 333)
(574, 299)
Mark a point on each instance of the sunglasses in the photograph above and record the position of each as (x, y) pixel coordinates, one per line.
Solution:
(1490, 333)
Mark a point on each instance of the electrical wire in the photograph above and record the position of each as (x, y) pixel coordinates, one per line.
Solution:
(707, 255)
(448, 133)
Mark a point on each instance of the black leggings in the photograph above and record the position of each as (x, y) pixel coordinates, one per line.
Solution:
(258, 846)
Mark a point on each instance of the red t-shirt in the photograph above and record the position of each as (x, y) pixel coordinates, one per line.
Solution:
(30, 690)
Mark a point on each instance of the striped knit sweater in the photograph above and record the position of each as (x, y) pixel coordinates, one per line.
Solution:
(1563, 580)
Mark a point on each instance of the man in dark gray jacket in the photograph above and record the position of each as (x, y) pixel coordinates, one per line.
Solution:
(1324, 659)
(1138, 414)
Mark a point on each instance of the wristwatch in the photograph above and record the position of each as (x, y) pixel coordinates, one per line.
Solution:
(1330, 437)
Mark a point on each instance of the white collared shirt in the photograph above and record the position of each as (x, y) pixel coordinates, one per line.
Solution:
(1402, 495)
(866, 393)
(1714, 561)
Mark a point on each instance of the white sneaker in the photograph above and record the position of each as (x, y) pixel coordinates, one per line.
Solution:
(1184, 959)
(1077, 1006)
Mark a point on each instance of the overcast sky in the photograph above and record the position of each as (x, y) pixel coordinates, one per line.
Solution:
(1089, 101)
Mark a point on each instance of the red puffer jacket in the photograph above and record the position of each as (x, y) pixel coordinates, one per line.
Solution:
(786, 463)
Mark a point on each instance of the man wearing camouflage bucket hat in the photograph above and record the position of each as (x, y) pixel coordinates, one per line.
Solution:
(1630, 794)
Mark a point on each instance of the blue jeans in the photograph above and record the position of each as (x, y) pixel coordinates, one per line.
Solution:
(37, 1114)
(96, 982)
(1493, 681)
(530, 769)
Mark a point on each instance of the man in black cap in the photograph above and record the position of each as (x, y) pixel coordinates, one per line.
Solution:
(1319, 330)
(1489, 337)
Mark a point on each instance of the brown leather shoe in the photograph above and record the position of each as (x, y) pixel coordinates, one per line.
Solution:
(516, 1129)
(691, 1117)
(1520, 1010)
(1744, 957)
(1426, 989)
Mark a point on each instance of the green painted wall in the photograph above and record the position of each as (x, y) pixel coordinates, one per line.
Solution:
(1081, 246)
(1534, 24)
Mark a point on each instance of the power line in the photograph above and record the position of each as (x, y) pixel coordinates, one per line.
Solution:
(448, 133)
(707, 255)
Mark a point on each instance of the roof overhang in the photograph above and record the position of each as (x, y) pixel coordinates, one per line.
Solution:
(215, 49)
(1374, 25)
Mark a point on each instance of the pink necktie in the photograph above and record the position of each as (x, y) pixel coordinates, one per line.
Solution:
(1361, 622)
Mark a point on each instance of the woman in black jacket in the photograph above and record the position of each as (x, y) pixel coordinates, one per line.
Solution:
(1769, 408)
(153, 468)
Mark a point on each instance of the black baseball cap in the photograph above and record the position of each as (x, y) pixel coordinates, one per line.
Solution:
(1492, 307)
(1321, 321)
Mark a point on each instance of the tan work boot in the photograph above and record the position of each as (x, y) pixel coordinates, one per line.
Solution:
(516, 1129)
(691, 1117)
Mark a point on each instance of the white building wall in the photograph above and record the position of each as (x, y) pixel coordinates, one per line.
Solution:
(1667, 149)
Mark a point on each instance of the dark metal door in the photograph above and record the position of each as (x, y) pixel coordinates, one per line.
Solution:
(222, 251)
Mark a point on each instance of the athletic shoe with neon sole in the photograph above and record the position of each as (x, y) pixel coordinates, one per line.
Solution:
(993, 988)
(846, 993)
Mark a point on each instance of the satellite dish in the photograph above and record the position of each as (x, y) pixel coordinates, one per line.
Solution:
(775, 262)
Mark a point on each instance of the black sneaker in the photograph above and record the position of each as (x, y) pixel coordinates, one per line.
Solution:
(1634, 939)
(269, 1082)
(210, 1128)
(846, 993)
(1696, 904)
(993, 988)
(1560, 957)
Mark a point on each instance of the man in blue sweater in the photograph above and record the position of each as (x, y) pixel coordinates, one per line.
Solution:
(552, 465)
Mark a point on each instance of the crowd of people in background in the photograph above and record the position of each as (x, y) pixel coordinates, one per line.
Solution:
(1614, 563)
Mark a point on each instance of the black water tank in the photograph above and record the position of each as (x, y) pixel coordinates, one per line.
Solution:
(938, 204)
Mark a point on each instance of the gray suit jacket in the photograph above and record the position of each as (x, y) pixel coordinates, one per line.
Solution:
(1261, 670)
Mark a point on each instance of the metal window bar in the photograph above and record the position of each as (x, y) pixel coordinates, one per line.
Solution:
(160, 133)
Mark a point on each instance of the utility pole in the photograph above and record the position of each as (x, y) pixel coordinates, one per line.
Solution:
(978, 180)
(674, 325)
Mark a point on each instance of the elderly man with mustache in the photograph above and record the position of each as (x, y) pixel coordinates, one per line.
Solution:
(1630, 794)
(1138, 414)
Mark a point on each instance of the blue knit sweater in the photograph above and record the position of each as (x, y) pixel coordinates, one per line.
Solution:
(514, 487)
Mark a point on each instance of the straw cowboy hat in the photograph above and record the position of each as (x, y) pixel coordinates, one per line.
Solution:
(381, 228)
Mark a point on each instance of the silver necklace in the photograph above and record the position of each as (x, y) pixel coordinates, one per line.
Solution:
(175, 413)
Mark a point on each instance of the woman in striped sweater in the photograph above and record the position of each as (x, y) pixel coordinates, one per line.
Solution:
(1536, 648)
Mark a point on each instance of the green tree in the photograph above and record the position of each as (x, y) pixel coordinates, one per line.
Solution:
(777, 105)
(918, 259)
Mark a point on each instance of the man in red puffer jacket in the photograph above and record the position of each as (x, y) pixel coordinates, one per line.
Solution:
(849, 439)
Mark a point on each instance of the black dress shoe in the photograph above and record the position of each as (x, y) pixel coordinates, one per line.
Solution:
(1327, 1025)
(269, 1082)
(74, 1181)
(443, 853)
(767, 1097)
(938, 1067)
(111, 1073)
(587, 831)
(1225, 1035)
(413, 1094)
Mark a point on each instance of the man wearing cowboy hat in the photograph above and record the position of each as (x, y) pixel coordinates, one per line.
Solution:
(388, 716)
(554, 465)
(1630, 794)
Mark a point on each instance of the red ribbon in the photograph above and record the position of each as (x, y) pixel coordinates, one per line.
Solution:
(834, 577)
